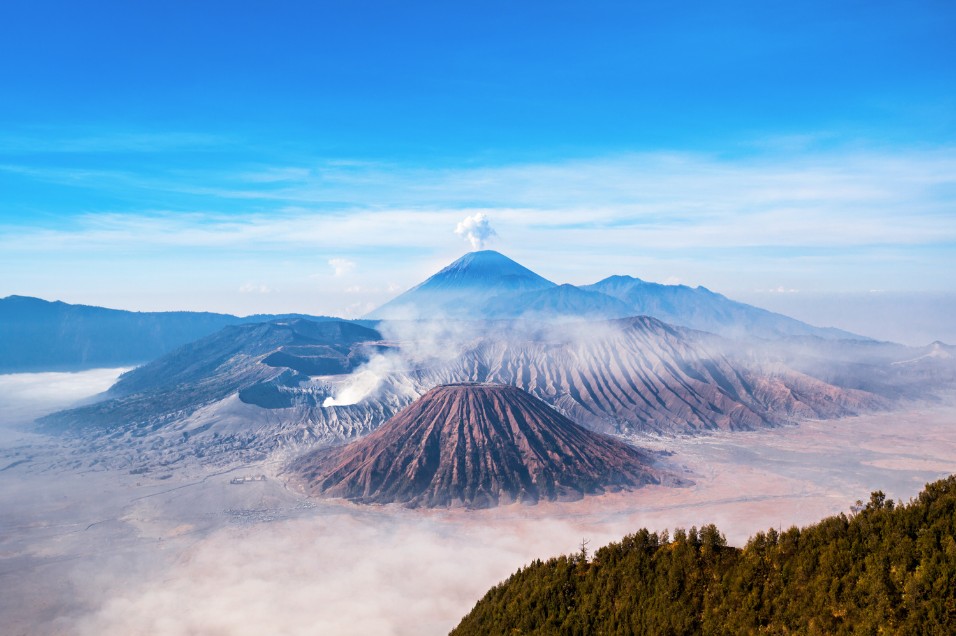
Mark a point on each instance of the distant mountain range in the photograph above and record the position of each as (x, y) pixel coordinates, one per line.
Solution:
(223, 390)
(38, 335)
(488, 285)
(226, 389)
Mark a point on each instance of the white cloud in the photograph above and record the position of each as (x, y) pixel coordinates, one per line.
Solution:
(664, 200)
(344, 573)
(117, 141)
(357, 310)
(255, 288)
(341, 266)
(25, 396)
(843, 220)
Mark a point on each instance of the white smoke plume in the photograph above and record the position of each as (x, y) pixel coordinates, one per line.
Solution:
(365, 380)
(422, 344)
(438, 344)
(477, 229)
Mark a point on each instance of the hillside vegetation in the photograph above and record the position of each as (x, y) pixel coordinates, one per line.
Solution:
(882, 569)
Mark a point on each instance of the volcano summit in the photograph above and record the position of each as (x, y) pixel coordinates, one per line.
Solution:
(487, 285)
(462, 288)
(476, 445)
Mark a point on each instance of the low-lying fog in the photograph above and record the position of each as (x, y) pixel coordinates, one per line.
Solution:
(88, 551)
(25, 396)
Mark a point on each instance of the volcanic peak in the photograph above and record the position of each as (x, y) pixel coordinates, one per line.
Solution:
(486, 269)
(475, 446)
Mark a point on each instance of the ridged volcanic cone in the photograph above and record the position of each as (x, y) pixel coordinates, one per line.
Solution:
(476, 445)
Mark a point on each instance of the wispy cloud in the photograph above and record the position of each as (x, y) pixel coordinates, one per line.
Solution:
(816, 220)
(255, 288)
(52, 141)
(668, 200)
(341, 266)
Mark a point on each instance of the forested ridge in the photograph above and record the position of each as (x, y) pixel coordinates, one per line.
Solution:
(882, 569)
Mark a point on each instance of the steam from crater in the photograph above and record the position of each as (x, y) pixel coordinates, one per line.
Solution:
(477, 229)
(364, 381)
(424, 344)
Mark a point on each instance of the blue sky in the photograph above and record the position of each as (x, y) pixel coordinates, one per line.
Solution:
(317, 156)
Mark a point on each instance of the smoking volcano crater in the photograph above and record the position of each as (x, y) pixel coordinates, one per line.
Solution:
(477, 446)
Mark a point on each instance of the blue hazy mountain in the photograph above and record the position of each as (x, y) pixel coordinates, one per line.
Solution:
(700, 308)
(461, 289)
(489, 285)
(38, 335)
(560, 301)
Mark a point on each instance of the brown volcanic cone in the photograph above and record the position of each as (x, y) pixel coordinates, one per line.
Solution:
(476, 445)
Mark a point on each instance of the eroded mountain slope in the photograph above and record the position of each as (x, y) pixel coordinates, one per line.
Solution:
(476, 445)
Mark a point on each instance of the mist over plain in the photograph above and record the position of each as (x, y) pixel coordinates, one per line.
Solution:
(100, 551)
(26, 396)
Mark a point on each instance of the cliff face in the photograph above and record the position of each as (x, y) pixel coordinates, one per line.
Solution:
(476, 445)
